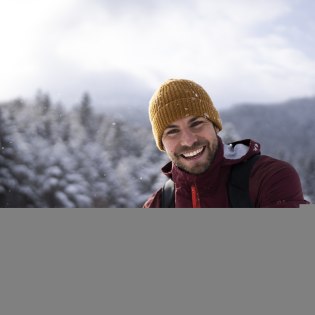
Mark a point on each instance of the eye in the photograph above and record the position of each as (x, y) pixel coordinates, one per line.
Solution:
(197, 123)
(171, 132)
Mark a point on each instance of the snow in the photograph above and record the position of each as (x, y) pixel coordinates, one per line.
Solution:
(64, 201)
(90, 160)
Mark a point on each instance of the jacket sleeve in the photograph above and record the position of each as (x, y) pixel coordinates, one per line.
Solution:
(275, 184)
(154, 201)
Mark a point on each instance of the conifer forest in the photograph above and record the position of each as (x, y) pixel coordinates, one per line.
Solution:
(52, 156)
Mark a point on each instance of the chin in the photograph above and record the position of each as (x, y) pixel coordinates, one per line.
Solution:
(196, 170)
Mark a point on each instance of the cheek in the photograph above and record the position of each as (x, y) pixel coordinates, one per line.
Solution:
(169, 146)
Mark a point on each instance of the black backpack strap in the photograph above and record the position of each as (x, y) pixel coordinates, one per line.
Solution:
(168, 195)
(239, 184)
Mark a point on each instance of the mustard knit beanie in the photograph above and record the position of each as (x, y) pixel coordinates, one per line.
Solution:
(176, 99)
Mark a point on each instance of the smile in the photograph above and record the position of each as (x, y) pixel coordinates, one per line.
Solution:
(193, 154)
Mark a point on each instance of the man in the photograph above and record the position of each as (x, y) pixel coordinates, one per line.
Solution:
(185, 125)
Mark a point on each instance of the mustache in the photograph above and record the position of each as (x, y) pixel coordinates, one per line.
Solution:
(196, 145)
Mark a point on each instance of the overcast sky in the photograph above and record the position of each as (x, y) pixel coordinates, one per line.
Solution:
(121, 50)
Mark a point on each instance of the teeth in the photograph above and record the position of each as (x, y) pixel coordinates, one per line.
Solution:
(193, 153)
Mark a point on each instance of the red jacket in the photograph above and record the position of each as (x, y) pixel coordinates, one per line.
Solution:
(273, 183)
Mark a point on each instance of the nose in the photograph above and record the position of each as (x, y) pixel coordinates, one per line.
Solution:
(188, 138)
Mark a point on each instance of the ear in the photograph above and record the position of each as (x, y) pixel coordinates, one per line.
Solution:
(163, 149)
(216, 129)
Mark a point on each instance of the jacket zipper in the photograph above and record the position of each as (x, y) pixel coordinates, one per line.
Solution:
(195, 197)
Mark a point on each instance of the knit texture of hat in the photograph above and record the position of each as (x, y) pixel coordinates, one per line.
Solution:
(176, 99)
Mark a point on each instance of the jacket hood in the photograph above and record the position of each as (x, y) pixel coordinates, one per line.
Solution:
(240, 150)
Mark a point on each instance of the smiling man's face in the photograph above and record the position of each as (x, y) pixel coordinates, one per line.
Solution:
(191, 143)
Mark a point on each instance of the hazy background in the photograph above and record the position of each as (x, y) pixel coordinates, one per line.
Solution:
(77, 76)
(120, 51)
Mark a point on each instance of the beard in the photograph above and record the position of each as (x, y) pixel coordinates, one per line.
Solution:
(199, 166)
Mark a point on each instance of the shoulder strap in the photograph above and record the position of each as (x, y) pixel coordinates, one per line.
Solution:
(168, 195)
(239, 184)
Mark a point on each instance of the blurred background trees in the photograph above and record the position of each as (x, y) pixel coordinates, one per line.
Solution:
(51, 156)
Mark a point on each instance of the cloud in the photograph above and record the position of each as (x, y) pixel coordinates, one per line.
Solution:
(167, 39)
(240, 50)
